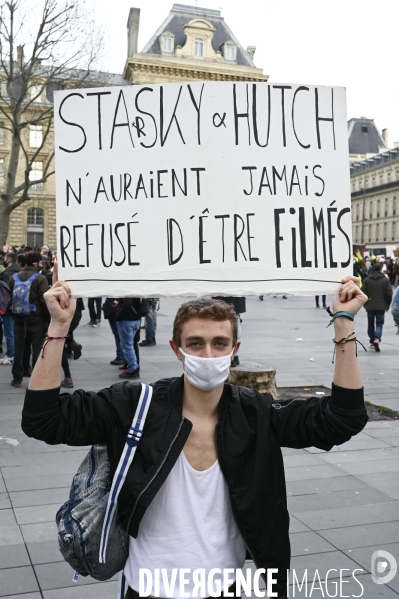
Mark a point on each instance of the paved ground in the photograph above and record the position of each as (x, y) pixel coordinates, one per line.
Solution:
(344, 504)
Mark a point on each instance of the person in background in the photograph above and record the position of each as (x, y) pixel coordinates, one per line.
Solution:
(71, 348)
(150, 322)
(12, 267)
(110, 309)
(323, 297)
(21, 260)
(46, 271)
(44, 252)
(129, 326)
(379, 291)
(94, 304)
(27, 249)
(2, 264)
(29, 330)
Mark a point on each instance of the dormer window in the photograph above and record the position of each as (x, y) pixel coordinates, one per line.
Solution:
(168, 42)
(198, 46)
(230, 52)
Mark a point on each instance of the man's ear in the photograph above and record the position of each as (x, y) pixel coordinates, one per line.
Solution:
(176, 350)
(236, 348)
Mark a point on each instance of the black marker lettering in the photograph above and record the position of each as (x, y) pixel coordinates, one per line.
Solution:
(78, 198)
(101, 189)
(331, 237)
(147, 89)
(171, 248)
(278, 237)
(164, 138)
(123, 249)
(318, 229)
(198, 109)
(283, 88)
(280, 178)
(127, 179)
(320, 179)
(299, 89)
(250, 169)
(242, 115)
(340, 215)
(125, 123)
(113, 189)
(202, 241)
(302, 237)
(72, 124)
(131, 245)
(197, 171)
(222, 216)
(237, 236)
(75, 248)
(175, 180)
(319, 118)
(64, 246)
(159, 184)
(88, 244)
(98, 94)
(255, 115)
(251, 259)
(111, 242)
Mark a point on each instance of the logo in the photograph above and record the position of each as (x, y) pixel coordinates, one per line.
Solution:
(383, 561)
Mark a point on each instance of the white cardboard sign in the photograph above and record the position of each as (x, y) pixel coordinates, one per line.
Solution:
(202, 188)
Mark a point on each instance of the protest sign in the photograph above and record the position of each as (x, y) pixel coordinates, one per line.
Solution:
(202, 188)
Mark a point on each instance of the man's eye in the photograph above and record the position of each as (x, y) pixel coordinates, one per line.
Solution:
(221, 344)
(193, 344)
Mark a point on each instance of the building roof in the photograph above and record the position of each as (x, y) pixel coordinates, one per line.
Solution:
(375, 161)
(180, 15)
(364, 137)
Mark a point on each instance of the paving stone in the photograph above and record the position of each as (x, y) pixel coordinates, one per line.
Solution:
(371, 466)
(296, 525)
(357, 585)
(31, 515)
(44, 552)
(354, 445)
(306, 459)
(59, 576)
(35, 533)
(41, 459)
(7, 518)
(10, 535)
(40, 497)
(51, 470)
(12, 556)
(331, 560)
(24, 596)
(336, 499)
(310, 472)
(307, 543)
(324, 485)
(103, 590)
(14, 581)
(361, 536)
(363, 557)
(28, 483)
(4, 501)
(364, 455)
(383, 481)
(349, 516)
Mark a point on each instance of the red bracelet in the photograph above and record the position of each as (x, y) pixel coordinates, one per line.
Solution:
(47, 339)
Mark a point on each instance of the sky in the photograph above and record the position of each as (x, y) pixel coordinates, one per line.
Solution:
(349, 43)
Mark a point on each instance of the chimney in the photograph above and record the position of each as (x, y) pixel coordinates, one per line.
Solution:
(133, 23)
(385, 136)
(251, 51)
(20, 57)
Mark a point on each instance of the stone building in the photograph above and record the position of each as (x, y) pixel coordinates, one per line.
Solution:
(375, 201)
(193, 43)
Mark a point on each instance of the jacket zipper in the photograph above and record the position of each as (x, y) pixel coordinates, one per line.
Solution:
(156, 473)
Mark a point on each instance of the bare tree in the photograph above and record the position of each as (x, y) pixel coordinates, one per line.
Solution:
(43, 47)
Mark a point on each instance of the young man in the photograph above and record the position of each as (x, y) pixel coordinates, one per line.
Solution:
(379, 291)
(207, 486)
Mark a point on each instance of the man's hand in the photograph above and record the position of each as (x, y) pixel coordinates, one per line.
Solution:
(350, 298)
(60, 304)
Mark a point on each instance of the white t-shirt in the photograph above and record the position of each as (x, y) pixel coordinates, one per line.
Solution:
(189, 524)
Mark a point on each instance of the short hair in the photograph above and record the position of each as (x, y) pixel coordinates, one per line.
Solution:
(32, 258)
(22, 259)
(27, 249)
(11, 256)
(378, 266)
(46, 266)
(217, 310)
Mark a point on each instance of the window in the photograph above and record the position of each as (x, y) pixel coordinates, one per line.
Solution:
(378, 209)
(168, 42)
(35, 227)
(389, 176)
(381, 179)
(373, 180)
(397, 175)
(3, 89)
(36, 136)
(371, 210)
(35, 93)
(385, 231)
(36, 174)
(386, 206)
(198, 46)
(377, 231)
(1, 134)
(364, 129)
(393, 230)
(357, 211)
(2, 174)
(394, 206)
(230, 51)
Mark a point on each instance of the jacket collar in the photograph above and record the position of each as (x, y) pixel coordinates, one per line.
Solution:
(175, 396)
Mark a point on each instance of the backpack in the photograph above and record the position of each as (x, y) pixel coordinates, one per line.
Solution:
(87, 522)
(141, 307)
(20, 305)
(5, 295)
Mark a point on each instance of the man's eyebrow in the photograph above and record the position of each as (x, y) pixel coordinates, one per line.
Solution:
(217, 337)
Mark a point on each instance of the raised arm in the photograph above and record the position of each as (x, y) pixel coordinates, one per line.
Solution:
(350, 299)
(60, 304)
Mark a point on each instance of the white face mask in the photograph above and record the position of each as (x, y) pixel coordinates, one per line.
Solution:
(206, 373)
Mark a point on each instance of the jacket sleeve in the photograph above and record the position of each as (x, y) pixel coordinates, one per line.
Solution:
(319, 422)
(388, 293)
(79, 418)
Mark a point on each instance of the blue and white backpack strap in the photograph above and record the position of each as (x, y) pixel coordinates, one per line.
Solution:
(122, 586)
(132, 440)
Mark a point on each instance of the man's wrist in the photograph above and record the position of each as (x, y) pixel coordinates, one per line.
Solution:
(58, 329)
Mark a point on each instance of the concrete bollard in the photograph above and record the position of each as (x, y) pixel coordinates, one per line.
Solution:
(256, 376)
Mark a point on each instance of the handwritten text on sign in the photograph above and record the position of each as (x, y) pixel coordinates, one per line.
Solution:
(202, 188)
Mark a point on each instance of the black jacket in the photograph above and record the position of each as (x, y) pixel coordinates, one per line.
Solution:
(9, 272)
(237, 302)
(249, 434)
(378, 289)
(128, 309)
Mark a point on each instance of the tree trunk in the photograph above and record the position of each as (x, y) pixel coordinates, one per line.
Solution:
(5, 211)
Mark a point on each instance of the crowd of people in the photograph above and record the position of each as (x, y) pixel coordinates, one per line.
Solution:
(26, 274)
